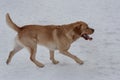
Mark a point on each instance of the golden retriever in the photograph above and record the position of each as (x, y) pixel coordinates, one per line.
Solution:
(54, 37)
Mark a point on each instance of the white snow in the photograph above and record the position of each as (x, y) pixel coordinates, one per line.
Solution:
(101, 55)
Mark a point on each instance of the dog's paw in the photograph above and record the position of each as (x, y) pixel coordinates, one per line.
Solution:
(7, 62)
(55, 62)
(40, 66)
(79, 61)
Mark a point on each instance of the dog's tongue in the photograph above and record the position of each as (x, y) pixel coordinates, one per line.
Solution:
(86, 37)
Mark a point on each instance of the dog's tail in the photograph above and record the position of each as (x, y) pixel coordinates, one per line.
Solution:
(11, 23)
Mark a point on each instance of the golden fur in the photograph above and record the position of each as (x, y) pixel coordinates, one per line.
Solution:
(54, 37)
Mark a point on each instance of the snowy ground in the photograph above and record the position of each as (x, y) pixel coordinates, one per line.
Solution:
(101, 56)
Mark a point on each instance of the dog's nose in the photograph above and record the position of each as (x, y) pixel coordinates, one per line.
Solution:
(93, 30)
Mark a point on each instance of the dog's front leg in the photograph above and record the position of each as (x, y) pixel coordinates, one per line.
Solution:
(52, 58)
(72, 56)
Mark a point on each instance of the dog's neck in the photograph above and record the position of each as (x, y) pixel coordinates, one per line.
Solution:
(68, 29)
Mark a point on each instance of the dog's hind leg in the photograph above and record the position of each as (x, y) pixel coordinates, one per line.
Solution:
(33, 55)
(52, 58)
(31, 45)
(17, 48)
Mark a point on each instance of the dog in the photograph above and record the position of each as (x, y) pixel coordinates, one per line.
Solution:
(54, 37)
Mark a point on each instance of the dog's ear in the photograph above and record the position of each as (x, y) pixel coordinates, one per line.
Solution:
(77, 29)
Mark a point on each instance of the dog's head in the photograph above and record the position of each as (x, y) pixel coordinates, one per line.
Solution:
(83, 30)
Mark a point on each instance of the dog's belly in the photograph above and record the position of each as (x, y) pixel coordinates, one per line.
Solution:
(47, 41)
(49, 45)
